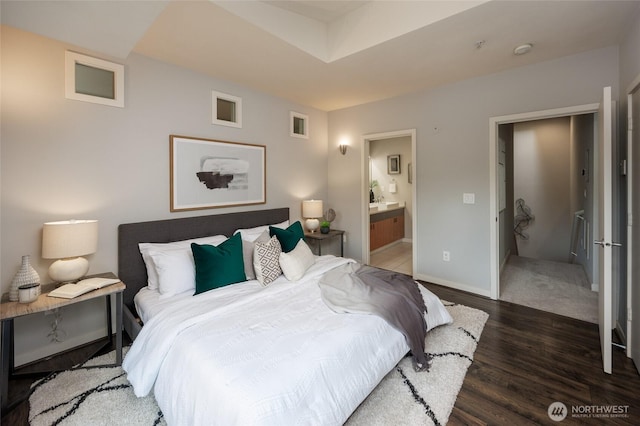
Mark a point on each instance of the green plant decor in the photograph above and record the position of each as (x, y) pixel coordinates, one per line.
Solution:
(324, 226)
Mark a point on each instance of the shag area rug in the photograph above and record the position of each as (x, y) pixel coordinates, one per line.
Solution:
(102, 396)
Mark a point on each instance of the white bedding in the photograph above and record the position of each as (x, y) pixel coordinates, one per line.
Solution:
(247, 354)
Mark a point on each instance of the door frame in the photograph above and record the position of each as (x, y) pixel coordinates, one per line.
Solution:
(366, 139)
(494, 208)
(633, 88)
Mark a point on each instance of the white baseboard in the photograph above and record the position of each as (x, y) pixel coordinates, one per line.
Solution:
(454, 285)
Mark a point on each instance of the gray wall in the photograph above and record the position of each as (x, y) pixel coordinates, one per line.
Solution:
(64, 159)
(541, 152)
(452, 125)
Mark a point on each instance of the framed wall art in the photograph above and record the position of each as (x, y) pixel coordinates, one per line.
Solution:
(208, 173)
(393, 164)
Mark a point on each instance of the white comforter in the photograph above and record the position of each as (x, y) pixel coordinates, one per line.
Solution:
(251, 355)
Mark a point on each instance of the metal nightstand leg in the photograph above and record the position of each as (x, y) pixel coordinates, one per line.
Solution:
(6, 352)
(119, 328)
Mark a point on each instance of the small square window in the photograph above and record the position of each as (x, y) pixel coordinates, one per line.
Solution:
(227, 109)
(93, 80)
(299, 126)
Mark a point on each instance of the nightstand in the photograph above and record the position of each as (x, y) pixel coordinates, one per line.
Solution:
(11, 310)
(324, 243)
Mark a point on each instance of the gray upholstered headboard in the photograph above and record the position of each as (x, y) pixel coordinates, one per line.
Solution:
(131, 268)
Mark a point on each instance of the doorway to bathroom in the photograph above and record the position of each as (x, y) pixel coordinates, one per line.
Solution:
(388, 216)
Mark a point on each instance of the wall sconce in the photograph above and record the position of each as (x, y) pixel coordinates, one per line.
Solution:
(343, 148)
(68, 241)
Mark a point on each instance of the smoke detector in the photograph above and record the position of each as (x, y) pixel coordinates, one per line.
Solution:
(522, 49)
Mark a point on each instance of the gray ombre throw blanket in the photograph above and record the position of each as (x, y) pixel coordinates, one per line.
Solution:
(362, 289)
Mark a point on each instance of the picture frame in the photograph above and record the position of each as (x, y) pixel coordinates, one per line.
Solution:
(409, 173)
(393, 164)
(210, 173)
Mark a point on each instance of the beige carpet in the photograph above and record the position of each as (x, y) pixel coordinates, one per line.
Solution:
(561, 288)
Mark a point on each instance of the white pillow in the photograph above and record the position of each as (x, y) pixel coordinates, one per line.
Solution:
(176, 270)
(252, 234)
(152, 274)
(247, 254)
(266, 260)
(436, 314)
(295, 263)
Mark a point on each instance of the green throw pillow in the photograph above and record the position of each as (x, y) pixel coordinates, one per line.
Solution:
(218, 266)
(288, 237)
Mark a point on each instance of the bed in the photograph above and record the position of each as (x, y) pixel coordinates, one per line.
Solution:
(248, 353)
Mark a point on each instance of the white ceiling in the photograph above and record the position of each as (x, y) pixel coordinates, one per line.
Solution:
(331, 54)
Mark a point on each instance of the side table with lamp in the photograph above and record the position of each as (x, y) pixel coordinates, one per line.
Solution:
(66, 241)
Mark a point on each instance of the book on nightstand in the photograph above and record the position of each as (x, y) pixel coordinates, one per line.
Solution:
(69, 291)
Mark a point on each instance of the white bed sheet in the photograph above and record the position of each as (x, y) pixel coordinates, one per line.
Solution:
(149, 302)
(247, 354)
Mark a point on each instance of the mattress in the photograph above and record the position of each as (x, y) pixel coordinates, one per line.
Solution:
(248, 354)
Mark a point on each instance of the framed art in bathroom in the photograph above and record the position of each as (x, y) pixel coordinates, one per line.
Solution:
(393, 164)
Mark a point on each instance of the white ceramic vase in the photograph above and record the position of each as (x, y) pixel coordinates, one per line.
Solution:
(26, 275)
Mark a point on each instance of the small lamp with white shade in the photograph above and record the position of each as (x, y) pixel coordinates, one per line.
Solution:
(312, 211)
(67, 241)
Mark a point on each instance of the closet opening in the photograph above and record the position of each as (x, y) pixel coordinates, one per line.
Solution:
(546, 215)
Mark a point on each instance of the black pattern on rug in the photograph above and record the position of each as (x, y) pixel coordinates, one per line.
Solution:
(468, 333)
(419, 399)
(77, 400)
(70, 407)
(412, 388)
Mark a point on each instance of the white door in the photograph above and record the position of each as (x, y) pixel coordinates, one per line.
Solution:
(605, 209)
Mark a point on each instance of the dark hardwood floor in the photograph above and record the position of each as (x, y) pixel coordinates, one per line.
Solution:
(526, 359)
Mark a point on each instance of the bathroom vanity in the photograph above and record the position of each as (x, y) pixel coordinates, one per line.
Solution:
(386, 224)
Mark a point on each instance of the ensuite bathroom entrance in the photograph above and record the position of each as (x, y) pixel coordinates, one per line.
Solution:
(390, 201)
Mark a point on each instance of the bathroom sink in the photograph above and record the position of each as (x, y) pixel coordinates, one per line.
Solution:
(383, 205)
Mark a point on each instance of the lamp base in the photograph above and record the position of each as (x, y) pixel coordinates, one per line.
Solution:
(312, 225)
(68, 270)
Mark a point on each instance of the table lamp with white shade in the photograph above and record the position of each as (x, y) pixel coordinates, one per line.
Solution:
(68, 241)
(312, 211)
